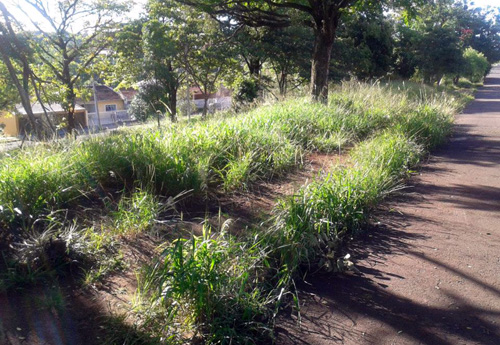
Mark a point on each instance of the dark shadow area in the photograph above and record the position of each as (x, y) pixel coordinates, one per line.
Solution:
(469, 148)
(333, 301)
(57, 314)
(484, 105)
(359, 294)
(474, 197)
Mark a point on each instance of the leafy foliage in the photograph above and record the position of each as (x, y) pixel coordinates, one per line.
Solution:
(475, 65)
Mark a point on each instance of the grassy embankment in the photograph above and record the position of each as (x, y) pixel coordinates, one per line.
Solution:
(216, 287)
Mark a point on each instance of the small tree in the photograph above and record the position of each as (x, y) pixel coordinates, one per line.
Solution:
(207, 54)
(288, 54)
(475, 66)
(71, 34)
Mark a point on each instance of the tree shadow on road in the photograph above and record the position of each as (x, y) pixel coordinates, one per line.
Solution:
(332, 303)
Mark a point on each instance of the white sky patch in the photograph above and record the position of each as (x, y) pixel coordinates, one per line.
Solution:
(486, 3)
(25, 14)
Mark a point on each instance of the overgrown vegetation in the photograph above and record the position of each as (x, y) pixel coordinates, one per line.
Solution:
(216, 288)
(67, 207)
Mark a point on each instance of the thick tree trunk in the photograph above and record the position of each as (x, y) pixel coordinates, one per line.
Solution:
(70, 98)
(320, 66)
(69, 93)
(173, 105)
(326, 21)
(172, 85)
(23, 93)
(282, 83)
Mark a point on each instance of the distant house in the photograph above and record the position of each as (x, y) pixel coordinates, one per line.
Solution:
(112, 106)
(219, 100)
(127, 95)
(18, 123)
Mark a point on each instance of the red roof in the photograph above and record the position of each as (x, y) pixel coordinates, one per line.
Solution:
(104, 93)
(128, 93)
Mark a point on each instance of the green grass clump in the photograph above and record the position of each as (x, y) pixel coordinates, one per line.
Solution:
(150, 158)
(136, 213)
(210, 285)
(427, 124)
(310, 226)
(35, 182)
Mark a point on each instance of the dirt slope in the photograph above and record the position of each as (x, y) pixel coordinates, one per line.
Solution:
(430, 273)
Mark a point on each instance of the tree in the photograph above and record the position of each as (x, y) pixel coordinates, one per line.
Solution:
(206, 52)
(71, 34)
(475, 65)
(438, 53)
(15, 54)
(365, 45)
(160, 60)
(479, 29)
(288, 52)
(434, 45)
(323, 16)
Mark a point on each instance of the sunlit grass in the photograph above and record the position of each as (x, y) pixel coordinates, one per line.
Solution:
(199, 286)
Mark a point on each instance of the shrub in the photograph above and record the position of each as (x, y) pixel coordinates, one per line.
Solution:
(476, 65)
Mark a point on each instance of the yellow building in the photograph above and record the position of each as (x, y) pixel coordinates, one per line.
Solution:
(10, 124)
(112, 106)
(19, 124)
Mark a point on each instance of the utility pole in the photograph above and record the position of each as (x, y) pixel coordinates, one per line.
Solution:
(95, 103)
(188, 103)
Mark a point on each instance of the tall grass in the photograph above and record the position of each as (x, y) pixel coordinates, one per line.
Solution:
(310, 226)
(211, 283)
(215, 288)
(219, 155)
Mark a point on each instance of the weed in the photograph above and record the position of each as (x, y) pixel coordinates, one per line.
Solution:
(211, 284)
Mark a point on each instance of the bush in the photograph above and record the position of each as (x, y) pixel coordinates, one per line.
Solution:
(476, 65)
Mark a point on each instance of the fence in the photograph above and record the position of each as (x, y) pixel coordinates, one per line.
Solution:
(109, 118)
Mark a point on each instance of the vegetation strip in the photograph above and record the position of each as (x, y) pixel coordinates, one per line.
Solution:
(218, 288)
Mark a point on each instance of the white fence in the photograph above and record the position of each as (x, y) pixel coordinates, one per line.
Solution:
(221, 103)
(108, 118)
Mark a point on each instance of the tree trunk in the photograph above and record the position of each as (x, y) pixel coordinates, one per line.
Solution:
(282, 83)
(205, 106)
(254, 67)
(70, 99)
(69, 93)
(320, 66)
(172, 85)
(8, 39)
(25, 98)
(173, 105)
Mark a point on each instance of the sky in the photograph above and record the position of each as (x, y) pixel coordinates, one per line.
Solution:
(137, 9)
(485, 3)
(27, 10)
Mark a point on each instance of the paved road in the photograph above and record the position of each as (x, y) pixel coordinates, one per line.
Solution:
(431, 273)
